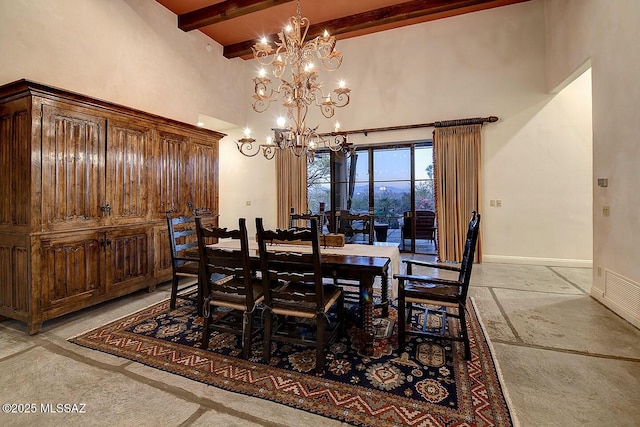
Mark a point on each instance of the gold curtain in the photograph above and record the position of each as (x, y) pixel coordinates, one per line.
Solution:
(457, 178)
(291, 178)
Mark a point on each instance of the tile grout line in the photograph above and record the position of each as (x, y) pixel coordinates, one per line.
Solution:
(205, 404)
(567, 351)
(505, 316)
(567, 280)
(478, 285)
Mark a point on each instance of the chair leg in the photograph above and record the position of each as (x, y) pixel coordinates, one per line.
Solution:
(342, 332)
(174, 292)
(247, 333)
(401, 318)
(385, 295)
(463, 332)
(206, 332)
(320, 342)
(266, 342)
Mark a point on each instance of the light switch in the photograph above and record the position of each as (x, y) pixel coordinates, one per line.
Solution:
(248, 203)
(605, 210)
(492, 203)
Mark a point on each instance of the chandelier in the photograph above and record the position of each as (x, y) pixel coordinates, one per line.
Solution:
(293, 65)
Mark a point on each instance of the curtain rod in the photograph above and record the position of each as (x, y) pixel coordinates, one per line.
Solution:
(446, 123)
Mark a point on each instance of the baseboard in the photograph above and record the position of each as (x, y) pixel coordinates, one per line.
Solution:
(629, 317)
(551, 262)
(597, 293)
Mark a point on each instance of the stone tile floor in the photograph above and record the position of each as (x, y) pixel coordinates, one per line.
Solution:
(566, 360)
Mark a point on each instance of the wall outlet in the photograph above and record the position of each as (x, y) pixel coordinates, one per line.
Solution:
(498, 203)
(248, 203)
(605, 210)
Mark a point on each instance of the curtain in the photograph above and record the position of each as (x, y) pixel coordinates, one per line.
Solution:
(291, 183)
(457, 179)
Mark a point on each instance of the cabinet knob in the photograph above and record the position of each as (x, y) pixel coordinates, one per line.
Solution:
(106, 208)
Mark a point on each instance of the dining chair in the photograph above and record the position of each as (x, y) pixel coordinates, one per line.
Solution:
(299, 308)
(353, 225)
(182, 238)
(181, 230)
(436, 295)
(295, 219)
(238, 295)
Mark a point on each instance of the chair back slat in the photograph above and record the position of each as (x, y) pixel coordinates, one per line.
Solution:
(234, 263)
(182, 237)
(354, 224)
(280, 266)
(468, 255)
(296, 219)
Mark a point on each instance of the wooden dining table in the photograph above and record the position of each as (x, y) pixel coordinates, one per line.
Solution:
(361, 263)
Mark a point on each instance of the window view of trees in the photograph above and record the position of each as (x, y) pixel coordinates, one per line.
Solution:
(319, 182)
(392, 183)
(425, 192)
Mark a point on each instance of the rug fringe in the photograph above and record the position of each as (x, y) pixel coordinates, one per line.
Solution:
(492, 352)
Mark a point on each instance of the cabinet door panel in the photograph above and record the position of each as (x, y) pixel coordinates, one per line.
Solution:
(169, 177)
(15, 163)
(128, 258)
(127, 172)
(201, 159)
(161, 252)
(14, 274)
(73, 149)
(71, 269)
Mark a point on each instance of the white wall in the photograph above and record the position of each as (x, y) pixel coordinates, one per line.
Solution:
(125, 51)
(247, 186)
(486, 63)
(607, 33)
(537, 158)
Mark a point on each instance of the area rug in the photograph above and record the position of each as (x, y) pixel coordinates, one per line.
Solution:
(430, 384)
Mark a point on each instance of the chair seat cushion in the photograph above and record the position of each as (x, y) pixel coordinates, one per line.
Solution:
(298, 306)
(190, 268)
(425, 291)
(236, 300)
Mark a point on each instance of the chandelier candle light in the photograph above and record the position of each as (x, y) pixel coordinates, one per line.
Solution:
(303, 89)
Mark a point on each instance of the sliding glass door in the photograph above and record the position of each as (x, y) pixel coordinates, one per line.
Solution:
(396, 182)
(391, 185)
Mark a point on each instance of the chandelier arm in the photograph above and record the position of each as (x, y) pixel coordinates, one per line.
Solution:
(268, 151)
(299, 150)
(342, 97)
(290, 53)
(327, 110)
(247, 148)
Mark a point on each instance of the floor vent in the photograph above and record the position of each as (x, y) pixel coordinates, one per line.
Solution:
(624, 294)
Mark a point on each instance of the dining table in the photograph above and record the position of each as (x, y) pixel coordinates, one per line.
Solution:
(358, 262)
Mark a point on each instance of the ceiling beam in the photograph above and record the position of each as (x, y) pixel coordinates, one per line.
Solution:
(373, 18)
(223, 11)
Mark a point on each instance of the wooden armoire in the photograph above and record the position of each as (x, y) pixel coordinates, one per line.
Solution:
(84, 188)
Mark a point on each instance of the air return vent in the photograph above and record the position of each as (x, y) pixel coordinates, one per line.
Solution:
(624, 294)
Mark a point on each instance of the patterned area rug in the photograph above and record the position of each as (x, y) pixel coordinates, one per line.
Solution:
(429, 385)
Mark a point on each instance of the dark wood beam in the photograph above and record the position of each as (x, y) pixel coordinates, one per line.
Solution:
(374, 18)
(223, 11)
